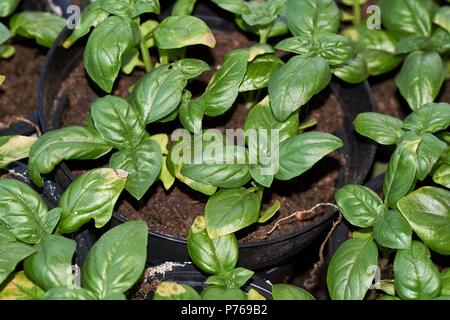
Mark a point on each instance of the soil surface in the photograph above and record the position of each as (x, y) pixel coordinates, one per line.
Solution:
(172, 212)
(18, 94)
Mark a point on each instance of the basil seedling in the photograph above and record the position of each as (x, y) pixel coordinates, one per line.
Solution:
(218, 257)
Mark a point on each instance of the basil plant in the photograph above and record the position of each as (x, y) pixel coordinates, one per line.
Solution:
(44, 27)
(121, 41)
(120, 128)
(422, 151)
(218, 258)
(31, 236)
(416, 35)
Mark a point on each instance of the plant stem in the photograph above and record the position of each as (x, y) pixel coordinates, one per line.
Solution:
(357, 12)
(146, 57)
(263, 36)
(163, 56)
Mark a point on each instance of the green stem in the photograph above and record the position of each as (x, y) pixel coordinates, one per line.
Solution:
(263, 36)
(146, 57)
(357, 12)
(163, 56)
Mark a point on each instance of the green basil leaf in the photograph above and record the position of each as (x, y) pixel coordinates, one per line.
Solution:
(121, 8)
(169, 290)
(259, 72)
(406, 17)
(317, 17)
(380, 62)
(165, 175)
(377, 48)
(7, 7)
(259, 49)
(147, 28)
(237, 278)
(442, 17)
(416, 276)
(22, 211)
(441, 40)
(392, 231)
(143, 164)
(352, 269)
(42, 26)
(91, 196)
(445, 282)
(117, 260)
(360, 206)
(52, 220)
(210, 168)
(428, 153)
(220, 293)
(131, 60)
(5, 34)
(6, 236)
(413, 43)
(76, 143)
(117, 122)
(13, 148)
(234, 6)
(381, 128)
(191, 68)
(146, 6)
(62, 293)
(335, 48)
(183, 7)
(428, 212)
(175, 168)
(421, 78)
(231, 210)
(107, 44)
(300, 153)
(213, 256)
(400, 174)
(255, 295)
(365, 38)
(6, 52)
(302, 45)
(223, 88)
(295, 83)
(178, 32)
(19, 287)
(262, 14)
(10, 255)
(91, 17)
(158, 93)
(261, 117)
(352, 71)
(191, 113)
(290, 292)
(442, 175)
(432, 117)
(51, 265)
(269, 213)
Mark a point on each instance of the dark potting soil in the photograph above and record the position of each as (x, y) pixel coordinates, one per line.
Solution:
(18, 94)
(172, 212)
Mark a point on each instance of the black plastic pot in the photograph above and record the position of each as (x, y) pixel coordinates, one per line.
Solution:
(358, 152)
(188, 274)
